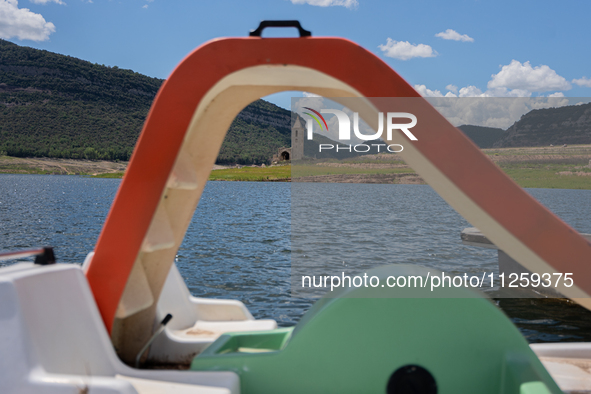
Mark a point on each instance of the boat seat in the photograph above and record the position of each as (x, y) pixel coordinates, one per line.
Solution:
(54, 341)
(196, 322)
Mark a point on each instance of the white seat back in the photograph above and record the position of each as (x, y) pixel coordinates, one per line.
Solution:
(15, 360)
(64, 332)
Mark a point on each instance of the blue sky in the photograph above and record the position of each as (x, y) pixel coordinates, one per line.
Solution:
(463, 48)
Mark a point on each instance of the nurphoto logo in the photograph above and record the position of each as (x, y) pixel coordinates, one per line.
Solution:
(344, 129)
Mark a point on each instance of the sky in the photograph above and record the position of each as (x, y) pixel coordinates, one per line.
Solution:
(471, 48)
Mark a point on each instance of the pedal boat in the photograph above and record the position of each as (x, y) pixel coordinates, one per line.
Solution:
(71, 329)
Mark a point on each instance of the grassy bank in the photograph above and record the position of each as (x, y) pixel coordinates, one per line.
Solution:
(550, 176)
(257, 174)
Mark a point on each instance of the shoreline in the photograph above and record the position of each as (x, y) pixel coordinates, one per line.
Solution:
(530, 167)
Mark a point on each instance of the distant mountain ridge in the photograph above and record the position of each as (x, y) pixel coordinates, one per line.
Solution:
(569, 125)
(557, 126)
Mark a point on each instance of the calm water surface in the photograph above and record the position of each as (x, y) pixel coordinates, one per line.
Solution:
(243, 238)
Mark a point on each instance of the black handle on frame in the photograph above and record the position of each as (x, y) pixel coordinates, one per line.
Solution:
(294, 23)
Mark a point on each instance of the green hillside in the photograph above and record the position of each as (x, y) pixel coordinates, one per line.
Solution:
(58, 106)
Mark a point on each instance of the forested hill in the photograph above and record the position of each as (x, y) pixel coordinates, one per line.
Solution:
(53, 105)
(59, 106)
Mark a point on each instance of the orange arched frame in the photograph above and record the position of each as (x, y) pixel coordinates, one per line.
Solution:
(453, 155)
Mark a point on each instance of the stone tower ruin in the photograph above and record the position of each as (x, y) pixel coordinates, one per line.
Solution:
(297, 140)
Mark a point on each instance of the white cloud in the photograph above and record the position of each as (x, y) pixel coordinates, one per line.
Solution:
(425, 92)
(586, 82)
(525, 77)
(404, 50)
(504, 92)
(471, 91)
(474, 107)
(328, 3)
(145, 6)
(22, 23)
(47, 1)
(550, 102)
(450, 34)
(452, 88)
(514, 80)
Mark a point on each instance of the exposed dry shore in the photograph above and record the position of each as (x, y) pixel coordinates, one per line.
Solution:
(19, 165)
(36, 165)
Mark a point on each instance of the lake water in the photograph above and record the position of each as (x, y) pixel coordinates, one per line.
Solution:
(244, 235)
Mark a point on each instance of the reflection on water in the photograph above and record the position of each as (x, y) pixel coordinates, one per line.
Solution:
(238, 244)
